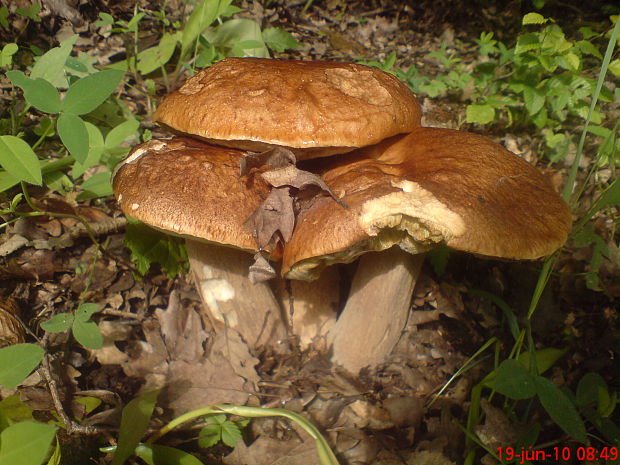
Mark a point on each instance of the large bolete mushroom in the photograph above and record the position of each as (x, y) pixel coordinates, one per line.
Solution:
(188, 188)
(314, 108)
(415, 191)
(310, 108)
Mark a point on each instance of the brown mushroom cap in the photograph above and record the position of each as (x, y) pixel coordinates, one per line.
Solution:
(430, 186)
(318, 108)
(188, 188)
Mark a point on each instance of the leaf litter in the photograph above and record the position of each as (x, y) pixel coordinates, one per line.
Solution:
(193, 366)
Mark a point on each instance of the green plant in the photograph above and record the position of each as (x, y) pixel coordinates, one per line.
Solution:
(26, 443)
(137, 414)
(202, 40)
(220, 428)
(148, 246)
(83, 328)
(85, 91)
(542, 81)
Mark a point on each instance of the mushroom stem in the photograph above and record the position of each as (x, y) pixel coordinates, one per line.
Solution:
(377, 308)
(311, 307)
(231, 300)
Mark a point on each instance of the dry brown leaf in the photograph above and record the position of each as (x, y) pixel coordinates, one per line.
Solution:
(497, 429)
(275, 214)
(11, 328)
(15, 242)
(229, 345)
(277, 157)
(260, 270)
(298, 449)
(112, 332)
(173, 357)
(427, 457)
(193, 385)
(299, 179)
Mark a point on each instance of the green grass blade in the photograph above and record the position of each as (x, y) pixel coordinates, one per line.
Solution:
(572, 176)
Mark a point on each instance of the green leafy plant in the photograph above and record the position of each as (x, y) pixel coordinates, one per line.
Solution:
(17, 362)
(220, 428)
(25, 443)
(83, 328)
(52, 77)
(202, 40)
(137, 413)
(79, 137)
(149, 246)
(6, 55)
(29, 355)
(544, 80)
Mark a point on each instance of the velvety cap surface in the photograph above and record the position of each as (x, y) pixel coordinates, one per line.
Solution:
(318, 106)
(430, 186)
(189, 188)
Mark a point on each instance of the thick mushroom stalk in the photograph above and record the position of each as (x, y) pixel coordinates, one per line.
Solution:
(413, 191)
(377, 309)
(231, 299)
(191, 189)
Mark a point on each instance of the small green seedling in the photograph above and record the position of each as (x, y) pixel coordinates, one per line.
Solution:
(85, 331)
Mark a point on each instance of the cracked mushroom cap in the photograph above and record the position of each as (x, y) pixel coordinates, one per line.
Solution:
(188, 188)
(317, 108)
(430, 186)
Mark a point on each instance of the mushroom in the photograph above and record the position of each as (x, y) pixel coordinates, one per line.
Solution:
(313, 108)
(415, 191)
(191, 189)
(290, 110)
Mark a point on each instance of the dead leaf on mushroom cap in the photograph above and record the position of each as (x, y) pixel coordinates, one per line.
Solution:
(299, 179)
(278, 157)
(274, 220)
(275, 214)
(260, 270)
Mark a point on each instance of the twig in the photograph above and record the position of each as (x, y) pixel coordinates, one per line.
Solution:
(72, 427)
(112, 312)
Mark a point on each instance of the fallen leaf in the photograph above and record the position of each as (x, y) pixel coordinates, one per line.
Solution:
(277, 157)
(174, 357)
(261, 270)
(275, 214)
(299, 179)
(112, 332)
(15, 242)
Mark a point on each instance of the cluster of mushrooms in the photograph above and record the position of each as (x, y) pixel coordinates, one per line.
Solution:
(307, 164)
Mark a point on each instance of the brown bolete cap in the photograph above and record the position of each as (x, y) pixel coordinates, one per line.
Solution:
(317, 108)
(430, 186)
(189, 188)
